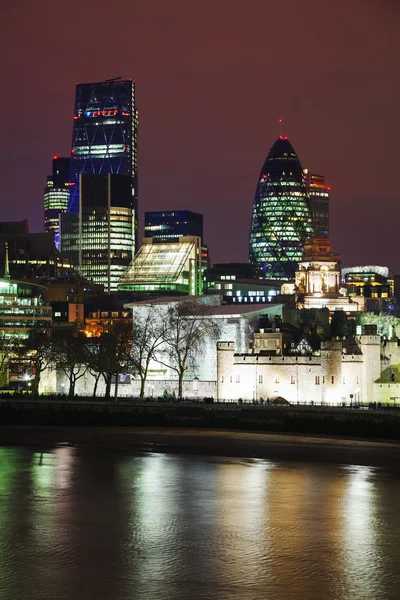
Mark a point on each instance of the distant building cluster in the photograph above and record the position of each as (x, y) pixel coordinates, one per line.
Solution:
(292, 323)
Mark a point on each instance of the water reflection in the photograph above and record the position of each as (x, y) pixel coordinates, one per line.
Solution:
(82, 524)
(361, 530)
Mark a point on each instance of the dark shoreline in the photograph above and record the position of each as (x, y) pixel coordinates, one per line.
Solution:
(207, 442)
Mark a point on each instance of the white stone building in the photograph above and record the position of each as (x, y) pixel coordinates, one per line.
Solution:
(334, 376)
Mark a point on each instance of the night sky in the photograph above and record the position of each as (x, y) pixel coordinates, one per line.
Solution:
(212, 78)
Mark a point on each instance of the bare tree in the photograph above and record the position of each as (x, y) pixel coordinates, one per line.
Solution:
(37, 349)
(96, 359)
(8, 348)
(148, 335)
(71, 353)
(188, 326)
(113, 354)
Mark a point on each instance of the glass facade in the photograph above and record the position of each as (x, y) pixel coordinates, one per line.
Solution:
(168, 267)
(281, 220)
(318, 193)
(22, 309)
(104, 138)
(169, 226)
(56, 196)
(99, 240)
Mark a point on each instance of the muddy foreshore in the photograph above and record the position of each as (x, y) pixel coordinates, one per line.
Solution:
(240, 444)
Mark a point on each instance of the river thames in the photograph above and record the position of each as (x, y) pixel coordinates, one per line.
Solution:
(90, 523)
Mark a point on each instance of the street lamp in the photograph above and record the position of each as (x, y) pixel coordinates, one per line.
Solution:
(357, 396)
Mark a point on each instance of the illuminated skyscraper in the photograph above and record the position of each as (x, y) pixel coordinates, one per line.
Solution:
(318, 193)
(99, 239)
(281, 220)
(104, 138)
(56, 195)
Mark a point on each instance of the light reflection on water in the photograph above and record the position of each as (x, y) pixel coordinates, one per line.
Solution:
(79, 523)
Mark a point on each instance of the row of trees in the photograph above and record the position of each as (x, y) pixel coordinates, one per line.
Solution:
(170, 335)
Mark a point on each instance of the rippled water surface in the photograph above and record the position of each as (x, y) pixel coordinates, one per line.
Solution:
(79, 523)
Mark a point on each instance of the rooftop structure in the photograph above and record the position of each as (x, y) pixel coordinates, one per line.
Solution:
(240, 282)
(169, 226)
(31, 255)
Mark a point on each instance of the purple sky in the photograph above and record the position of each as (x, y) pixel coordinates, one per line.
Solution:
(212, 79)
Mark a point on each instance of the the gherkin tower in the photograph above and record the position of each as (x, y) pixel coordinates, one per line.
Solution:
(281, 220)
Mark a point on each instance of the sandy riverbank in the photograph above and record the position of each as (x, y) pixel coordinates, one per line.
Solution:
(209, 442)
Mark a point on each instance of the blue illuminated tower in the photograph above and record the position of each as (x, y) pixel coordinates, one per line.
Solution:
(281, 220)
(99, 233)
(104, 138)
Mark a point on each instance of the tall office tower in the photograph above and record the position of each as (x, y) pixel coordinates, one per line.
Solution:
(99, 239)
(169, 226)
(105, 134)
(281, 220)
(318, 193)
(56, 196)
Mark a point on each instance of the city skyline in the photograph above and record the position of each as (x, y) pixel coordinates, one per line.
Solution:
(210, 92)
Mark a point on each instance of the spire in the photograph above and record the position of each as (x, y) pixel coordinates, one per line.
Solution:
(6, 263)
(281, 136)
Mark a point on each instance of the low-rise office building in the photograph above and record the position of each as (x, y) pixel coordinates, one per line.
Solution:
(373, 287)
(166, 268)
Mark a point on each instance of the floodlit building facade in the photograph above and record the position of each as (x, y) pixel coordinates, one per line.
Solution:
(317, 280)
(99, 240)
(330, 376)
(166, 268)
(281, 220)
(318, 193)
(248, 364)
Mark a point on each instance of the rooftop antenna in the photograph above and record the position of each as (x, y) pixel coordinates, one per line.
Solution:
(114, 79)
(6, 263)
(280, 127)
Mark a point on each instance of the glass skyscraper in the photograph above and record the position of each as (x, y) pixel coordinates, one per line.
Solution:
(105, 133)
(56, 196)
(281, 220)
(318, 193)
(99, 239)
